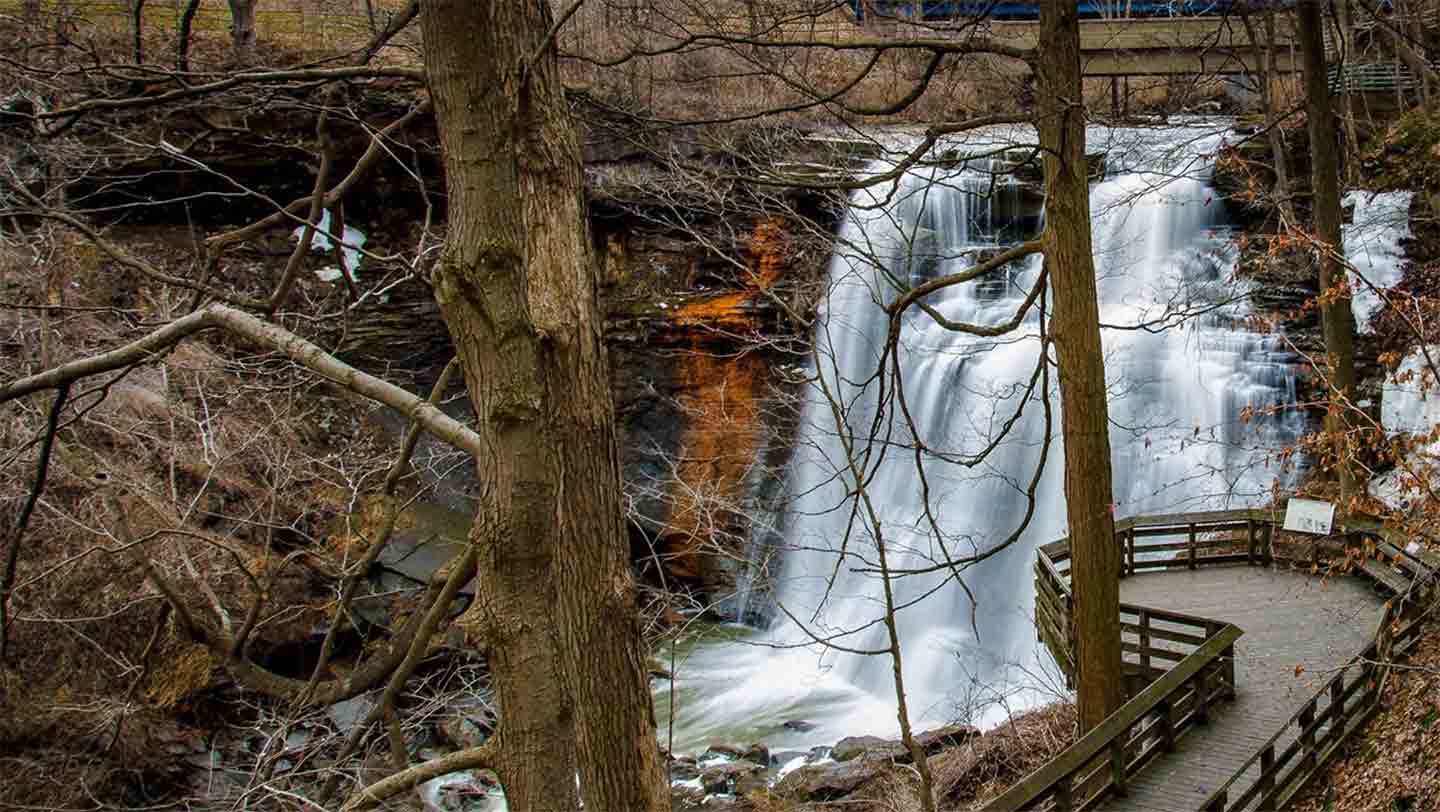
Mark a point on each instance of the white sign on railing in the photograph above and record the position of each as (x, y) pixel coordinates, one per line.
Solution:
(1309, 516)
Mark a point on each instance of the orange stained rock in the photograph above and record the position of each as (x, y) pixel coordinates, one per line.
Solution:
(721, 393)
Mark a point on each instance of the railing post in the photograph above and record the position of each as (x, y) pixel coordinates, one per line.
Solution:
(1266, 781)
(1250, 537)
(1337, 709)
(1062, 795)
(1130, 552)
(1167, 726)
(1217, 804)
(1145, 641)
(1228, 658)
(1307, 737)
(1268, 554)
(1192, 546)
(1118, 776)
(1202, 701)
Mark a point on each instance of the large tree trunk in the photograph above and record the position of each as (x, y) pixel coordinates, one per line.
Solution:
(1076, 333)
(242, 30)
(1337, 319)
(516, 286)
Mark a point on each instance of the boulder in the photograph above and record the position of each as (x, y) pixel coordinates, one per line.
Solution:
(684, 769)
(687, 796)
(831, 781)
(853, 747)
(933, 741)
(731, 777)
(729, 752)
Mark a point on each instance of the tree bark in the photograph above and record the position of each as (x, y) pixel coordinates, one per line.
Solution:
(137, 30)
(182, 36)
(1337, 319)
(517, 288)
(242, 30)
(1076, 334)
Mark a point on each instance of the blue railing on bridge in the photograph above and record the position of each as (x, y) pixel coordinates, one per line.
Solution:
(937, 10)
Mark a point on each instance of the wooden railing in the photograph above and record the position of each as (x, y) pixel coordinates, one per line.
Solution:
(1148, 634)
(1277, 771)
(1283, 765)
(1103, 759)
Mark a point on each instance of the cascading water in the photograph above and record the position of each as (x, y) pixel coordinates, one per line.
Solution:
(1181, 370)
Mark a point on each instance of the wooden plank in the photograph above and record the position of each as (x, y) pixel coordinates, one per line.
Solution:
(1382, 574)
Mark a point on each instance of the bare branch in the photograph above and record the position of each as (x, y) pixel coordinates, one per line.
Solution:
(266, 334)
(390, 786)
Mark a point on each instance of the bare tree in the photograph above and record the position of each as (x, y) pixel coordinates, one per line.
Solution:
(1335, 312)
(242, 30)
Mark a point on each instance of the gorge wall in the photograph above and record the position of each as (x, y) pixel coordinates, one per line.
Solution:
(708, 296)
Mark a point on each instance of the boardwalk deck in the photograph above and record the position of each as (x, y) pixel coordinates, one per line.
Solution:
(1298, 629)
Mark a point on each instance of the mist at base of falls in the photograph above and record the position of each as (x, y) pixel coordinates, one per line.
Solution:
(1190, 390)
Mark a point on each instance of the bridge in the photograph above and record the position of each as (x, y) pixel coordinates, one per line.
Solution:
(1161, 46)
(1132, 46)
(1249, 659)
(1137, 46)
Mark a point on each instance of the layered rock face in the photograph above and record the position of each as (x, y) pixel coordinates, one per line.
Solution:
(707, 353)
(707, 292)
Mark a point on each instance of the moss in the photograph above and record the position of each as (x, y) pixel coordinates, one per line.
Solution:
(1405, 156)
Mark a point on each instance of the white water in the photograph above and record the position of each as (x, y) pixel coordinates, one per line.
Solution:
(1380, 220)
(1178, 440)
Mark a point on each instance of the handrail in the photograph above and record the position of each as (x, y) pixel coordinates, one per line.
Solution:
(1281, 776)
(1190, 688)
(1322, 724)
(1339, 708)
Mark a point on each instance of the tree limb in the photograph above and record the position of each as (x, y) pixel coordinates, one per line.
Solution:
(268, 335)
(471, 759)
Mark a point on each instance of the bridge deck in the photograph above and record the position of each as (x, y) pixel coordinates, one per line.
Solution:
(1290, 620)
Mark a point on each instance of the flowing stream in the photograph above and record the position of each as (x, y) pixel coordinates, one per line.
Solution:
(1182, 371)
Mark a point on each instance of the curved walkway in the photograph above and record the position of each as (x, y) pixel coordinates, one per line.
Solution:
(1298, 630)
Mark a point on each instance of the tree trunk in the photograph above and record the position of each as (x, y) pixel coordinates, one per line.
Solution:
(182, 36)
(1337, 319)
(137, 30)
(1266, 70)
(242, 30)
(1076, 332)
(516, 286)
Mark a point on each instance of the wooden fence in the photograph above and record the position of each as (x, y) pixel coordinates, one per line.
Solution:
(1177, 685)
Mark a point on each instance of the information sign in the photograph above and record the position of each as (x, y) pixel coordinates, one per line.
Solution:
(1309, 516)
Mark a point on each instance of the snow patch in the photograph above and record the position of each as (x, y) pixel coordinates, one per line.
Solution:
(350, 244)
(1372, 246)
(1412, 405)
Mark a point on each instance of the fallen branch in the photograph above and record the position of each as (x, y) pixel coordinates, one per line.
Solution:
(405, 780)
(268, 335)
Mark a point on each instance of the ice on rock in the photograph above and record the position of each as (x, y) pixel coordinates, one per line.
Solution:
(350, 254)
(1372, 246)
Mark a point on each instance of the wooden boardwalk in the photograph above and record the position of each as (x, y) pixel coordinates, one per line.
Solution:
(1298, 630)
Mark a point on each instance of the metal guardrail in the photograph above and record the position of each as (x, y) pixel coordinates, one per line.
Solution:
(1103, 759)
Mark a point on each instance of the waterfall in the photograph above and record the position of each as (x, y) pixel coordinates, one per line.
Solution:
(1181, 369)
